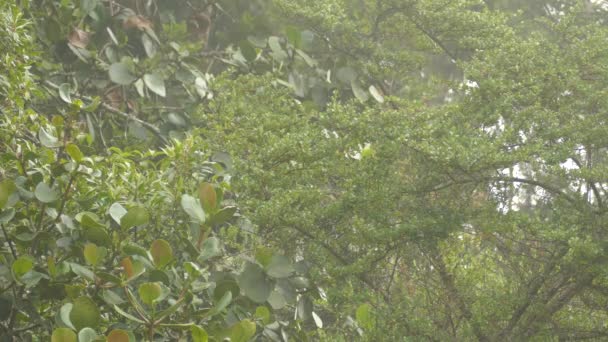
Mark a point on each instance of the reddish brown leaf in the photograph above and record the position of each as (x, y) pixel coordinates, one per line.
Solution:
(79, 38)
(138, 22)
(127, 265)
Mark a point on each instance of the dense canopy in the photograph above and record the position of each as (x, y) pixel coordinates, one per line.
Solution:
(324, 170)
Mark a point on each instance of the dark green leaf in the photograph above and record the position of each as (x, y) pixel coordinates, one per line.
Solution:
(279, 267)
(121, 74)
(254, 283)
(247, 50)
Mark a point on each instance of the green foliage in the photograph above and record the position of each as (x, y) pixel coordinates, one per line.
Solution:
(438, 169)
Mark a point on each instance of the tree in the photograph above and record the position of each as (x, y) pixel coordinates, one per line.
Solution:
(436, 167)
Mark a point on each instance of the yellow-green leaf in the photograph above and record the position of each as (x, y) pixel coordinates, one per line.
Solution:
(63, 335)
(161, 252)
(7, 187)
(85, 313)
(74, 152)
(149, 292)
(135, 216)
(198, 334)
(22, 265)
(242, 331)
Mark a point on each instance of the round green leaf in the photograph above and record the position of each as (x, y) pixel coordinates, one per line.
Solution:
(7, 188)
(254, 283)
(91, 254)
(226, 285)
(98, 235)
(262, 313)
(84, 313)
(155, 83)
(276, 300)
(242, 331)
(136, 216)
(87, 335)
(161, 252)
(121, 74)
(45, 194)
(279, 267)
(198, 334)
(193, 208)
(63, 335)
(149, 292)
(22, 265)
